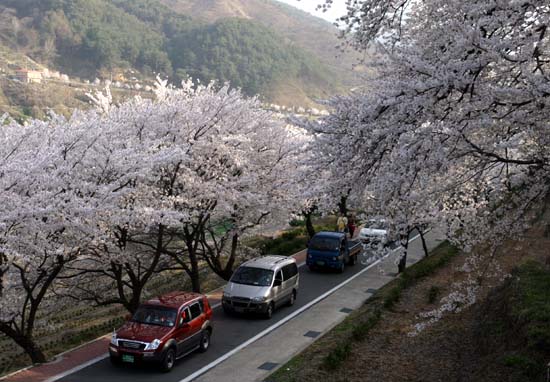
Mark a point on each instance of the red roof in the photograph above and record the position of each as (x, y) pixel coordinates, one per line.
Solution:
(173, 299)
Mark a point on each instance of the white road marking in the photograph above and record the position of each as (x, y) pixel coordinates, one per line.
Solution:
(283, 321)
(77, 368)
(246, 343)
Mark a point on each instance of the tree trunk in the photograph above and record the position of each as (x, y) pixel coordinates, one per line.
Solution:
(32, 349)
(424, 246)
(194, 275)
(133, 304)
(402, 265)
(342, 205)
(228, 271)
(309, 224)
(25, 341)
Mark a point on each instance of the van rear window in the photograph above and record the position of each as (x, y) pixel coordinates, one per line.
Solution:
(252, 276)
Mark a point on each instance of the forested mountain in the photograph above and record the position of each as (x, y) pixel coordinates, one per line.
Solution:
(298, 28)
(247, 54)
(89, 38)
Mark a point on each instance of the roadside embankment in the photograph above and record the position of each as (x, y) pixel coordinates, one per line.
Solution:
(504, 336)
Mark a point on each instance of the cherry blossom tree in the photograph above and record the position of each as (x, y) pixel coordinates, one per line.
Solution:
(233, 170)
(100, 203)
(457, 109)
(43, 228)
(204, 165)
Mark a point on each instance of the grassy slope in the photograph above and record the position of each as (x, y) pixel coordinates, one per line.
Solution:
(324, 359)
(504, 337)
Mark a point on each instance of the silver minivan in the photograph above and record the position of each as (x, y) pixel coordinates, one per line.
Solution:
(261, 285)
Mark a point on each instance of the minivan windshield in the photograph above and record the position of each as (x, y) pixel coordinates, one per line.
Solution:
(252, 276)
(324, 244)
(155, 315)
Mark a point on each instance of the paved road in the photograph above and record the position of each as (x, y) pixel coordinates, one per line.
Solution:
(229, 332)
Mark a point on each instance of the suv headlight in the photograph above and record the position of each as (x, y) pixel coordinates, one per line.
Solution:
(114, 340)
(153, 345)
(259, 298)
(226, 295)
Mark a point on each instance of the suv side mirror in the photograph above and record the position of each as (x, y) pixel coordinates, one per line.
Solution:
(183, 320)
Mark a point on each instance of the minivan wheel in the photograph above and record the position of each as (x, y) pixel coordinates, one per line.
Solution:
(269, 311)
(226, 310)
(168, 361)
(292, 298)
(205, 341)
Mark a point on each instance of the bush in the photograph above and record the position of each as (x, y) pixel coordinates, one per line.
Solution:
(291, 241)
(297, 223)
(326, 227)
(292, 234)
(433, 293)
(360, 331)
(440, 256)
(525, 365)
(337, 356)
(283, 246)
(394, 295)
(532, 305)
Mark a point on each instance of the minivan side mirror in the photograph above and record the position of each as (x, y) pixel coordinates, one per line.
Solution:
(277, 282)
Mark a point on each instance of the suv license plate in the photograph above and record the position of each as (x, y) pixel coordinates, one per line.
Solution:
(127, 358)
(320, 263)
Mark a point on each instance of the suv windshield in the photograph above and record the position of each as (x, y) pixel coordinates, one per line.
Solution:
(252, 276)
(155, 315)
(324, 244)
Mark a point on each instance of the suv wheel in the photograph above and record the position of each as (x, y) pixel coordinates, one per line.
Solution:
(169, 360)
(292, 298)
(269, 311)
(115, 361)
(205, 341)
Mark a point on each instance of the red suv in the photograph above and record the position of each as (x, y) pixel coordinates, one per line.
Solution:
(164, 329)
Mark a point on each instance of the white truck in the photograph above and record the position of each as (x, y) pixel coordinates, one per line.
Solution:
(374, 232)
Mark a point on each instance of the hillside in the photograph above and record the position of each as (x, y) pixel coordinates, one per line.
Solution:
(298, 28)
(213, 40)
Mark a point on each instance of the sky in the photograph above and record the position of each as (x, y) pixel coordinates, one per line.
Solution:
(338, 8)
